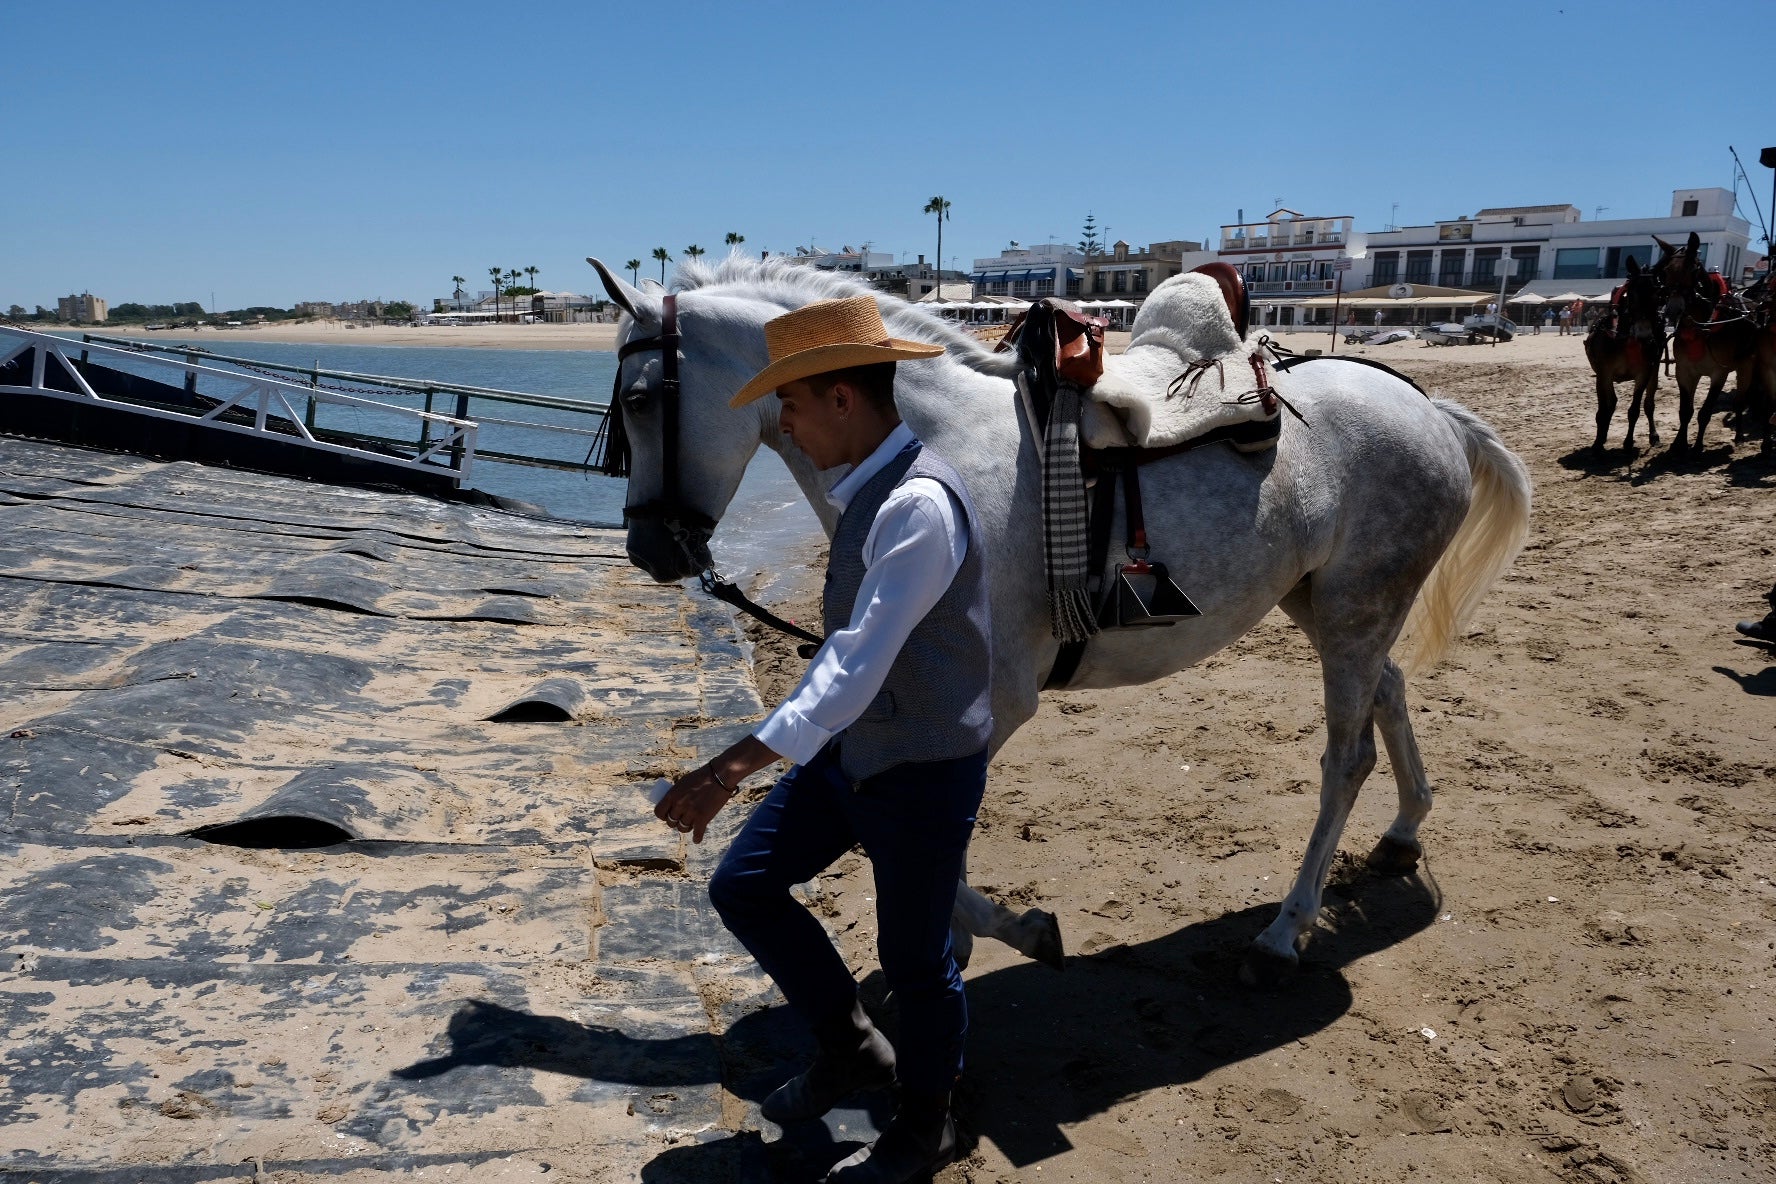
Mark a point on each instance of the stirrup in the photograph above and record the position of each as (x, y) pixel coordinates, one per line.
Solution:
(1162, 603)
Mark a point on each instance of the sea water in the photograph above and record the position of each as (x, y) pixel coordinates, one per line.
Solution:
(768, 522)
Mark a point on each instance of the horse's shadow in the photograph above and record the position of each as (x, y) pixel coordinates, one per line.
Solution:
(1755, 470)
(1045, 1050)
(1611, 462)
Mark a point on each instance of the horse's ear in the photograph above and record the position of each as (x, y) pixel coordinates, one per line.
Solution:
(1695, 243)
(1664, 246)
(633, 301)
(1633, 268)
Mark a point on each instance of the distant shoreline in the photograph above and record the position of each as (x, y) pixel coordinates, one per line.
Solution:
(560, 337)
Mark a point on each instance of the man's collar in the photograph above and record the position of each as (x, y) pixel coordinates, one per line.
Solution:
(842, 493)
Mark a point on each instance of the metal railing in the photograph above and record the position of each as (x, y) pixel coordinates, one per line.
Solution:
(432, 390)
(263, 405)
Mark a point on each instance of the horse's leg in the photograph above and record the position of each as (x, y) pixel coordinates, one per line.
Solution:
(1709, 402)
(1034, 933)
(1634, 396)
(1606, 410)
(1351, 662)
(1398, 851)
(1686, 407)
(1650, 380)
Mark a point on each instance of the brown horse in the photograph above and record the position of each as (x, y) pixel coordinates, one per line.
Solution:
(1758, 412)
(1714, 338)
(1626, 348)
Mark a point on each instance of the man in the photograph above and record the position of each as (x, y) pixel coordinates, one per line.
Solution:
(886, 735)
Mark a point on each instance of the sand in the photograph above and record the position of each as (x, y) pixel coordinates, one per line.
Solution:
(1577, 986)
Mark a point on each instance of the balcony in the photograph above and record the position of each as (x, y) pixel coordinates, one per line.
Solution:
(1300, 287)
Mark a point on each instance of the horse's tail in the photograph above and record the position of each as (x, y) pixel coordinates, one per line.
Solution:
(1489, 539)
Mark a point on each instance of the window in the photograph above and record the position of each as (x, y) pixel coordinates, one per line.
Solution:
(1527, 261)
(1418, 267)
(1020, 288)
(1279, 272)
(1074, 283)
(1301, 270)
(1689, 209)
(1486, 266)
(1577, 263)
(1119, 281)
(1140, 278)
(1041, 288)
(1450, 268)
(1387, 268)
(1097, 281)
(1254, 273)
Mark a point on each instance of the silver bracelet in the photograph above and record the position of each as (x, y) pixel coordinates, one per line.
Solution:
(720, 782)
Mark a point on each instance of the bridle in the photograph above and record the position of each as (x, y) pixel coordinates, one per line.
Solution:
(681, 519)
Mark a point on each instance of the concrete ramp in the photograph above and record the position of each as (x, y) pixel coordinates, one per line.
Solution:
(320, 848)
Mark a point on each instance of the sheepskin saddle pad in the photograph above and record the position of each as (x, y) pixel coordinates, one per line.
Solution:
(1187, 371)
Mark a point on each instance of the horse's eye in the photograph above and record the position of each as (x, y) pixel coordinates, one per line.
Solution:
(636, 397)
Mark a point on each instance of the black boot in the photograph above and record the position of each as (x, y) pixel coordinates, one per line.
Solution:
(853, 1056)
(920, 1140)
(1764, 630)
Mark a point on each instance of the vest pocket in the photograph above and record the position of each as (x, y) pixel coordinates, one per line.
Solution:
(880, 708)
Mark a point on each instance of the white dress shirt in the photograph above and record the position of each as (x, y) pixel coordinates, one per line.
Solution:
(912, 553)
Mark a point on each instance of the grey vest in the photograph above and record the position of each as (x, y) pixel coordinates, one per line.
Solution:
(936, 703)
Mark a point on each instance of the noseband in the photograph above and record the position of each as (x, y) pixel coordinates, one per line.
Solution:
(669, 508)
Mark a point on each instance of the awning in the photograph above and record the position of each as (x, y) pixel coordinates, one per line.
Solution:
(1074, 273)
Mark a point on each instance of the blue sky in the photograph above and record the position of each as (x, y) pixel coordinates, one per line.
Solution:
(275, 153)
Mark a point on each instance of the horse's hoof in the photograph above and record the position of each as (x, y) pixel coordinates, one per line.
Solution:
(1046, 948)
(1393, 857)
(1264, 971)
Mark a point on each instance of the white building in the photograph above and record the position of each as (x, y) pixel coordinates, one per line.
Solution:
(845, 259)
(1546, 250)
(1030, 273)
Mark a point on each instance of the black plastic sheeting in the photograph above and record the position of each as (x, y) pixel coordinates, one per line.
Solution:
(320, 850)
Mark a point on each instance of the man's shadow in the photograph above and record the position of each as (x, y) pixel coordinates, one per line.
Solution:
(1045, 1051)
(1049, 1050)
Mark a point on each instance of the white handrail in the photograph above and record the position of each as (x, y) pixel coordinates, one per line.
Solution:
(456, 438)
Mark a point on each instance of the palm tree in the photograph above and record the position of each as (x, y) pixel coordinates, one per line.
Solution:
(634, 266)
(497, 277)
(695, 252)
(734, 240)
(941, 207)
(459, 281)
(532, 273)
(662, 256)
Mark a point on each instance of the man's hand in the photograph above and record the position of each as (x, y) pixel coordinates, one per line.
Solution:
(696, 798)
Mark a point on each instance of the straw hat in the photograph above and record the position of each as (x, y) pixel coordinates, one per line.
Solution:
(825, 336)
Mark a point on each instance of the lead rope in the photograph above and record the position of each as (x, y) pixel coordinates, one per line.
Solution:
(728, 593)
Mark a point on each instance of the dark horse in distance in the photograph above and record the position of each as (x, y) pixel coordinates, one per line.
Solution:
(1625, 348)
(1715, 337)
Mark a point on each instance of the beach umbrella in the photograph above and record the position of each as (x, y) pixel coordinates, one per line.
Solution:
(1566, 298)
(1527, 298)
(1600, 298)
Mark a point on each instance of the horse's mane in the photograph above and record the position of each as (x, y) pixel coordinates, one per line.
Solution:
(792, 285)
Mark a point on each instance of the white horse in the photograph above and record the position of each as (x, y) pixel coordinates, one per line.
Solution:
(1381, 500)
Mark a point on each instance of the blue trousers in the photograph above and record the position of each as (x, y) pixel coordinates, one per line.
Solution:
(913, 821)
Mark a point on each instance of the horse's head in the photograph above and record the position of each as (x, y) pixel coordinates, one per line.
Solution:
(1641, 308)
(670, 429)
(1685, 280)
